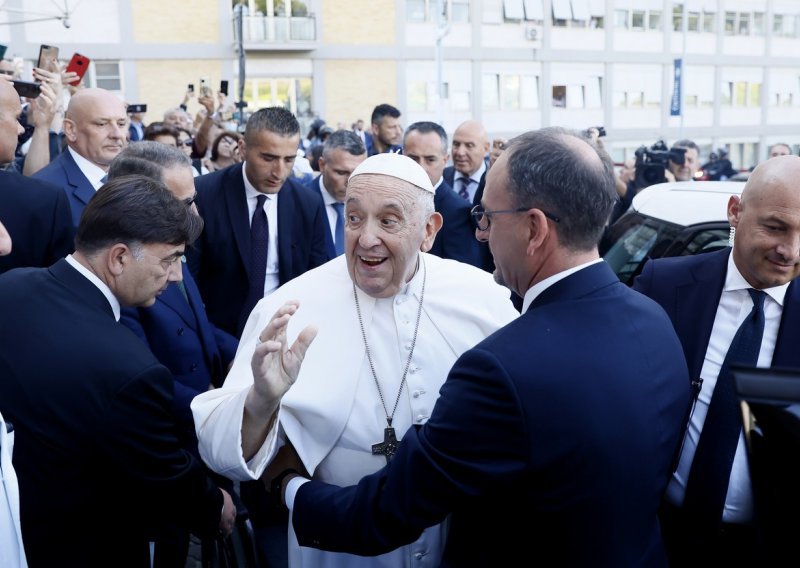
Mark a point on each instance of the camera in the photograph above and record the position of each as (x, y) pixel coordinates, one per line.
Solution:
(653, 161)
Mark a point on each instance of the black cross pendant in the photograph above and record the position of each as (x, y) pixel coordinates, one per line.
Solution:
(388, 447)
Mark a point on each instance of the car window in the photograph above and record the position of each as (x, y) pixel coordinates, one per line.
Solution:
(706, 241)
(633, 240)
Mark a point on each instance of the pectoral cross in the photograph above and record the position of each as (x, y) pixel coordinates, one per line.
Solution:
(388, 447)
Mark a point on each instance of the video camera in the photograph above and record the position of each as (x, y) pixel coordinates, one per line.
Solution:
(651, 163)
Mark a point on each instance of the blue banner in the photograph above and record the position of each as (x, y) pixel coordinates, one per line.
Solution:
(677, 98)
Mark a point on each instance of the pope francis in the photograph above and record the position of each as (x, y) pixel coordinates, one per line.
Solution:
(387, 321)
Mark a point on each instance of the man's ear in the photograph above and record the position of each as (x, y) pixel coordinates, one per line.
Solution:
(70, 129)
(432, 227)
(734, 210)
(538, 230)
(117, 258)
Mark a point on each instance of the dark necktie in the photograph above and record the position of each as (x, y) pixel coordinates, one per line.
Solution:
(259, 244)
(339, 240)
(464, 191)
(710, 473)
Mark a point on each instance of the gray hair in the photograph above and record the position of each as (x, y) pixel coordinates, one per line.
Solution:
(346, 140)
(162, 156)
(546, 170)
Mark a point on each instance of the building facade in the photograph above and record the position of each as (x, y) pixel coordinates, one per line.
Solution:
(514, 65)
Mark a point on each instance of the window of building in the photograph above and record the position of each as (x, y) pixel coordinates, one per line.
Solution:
(758, 23)
(510, 91)
(621, 19)
(513, 10)
(710, 23)
(417, 96)
(744, 23)
(693, 21)
(654, 22)
(730, 23)
(529, 92)
(293, 94)
(491, 91)
(677, 17)
(533, 11)
(105, 75)
(425, 10)
(637, 19)
(560, 96)
(743, 94)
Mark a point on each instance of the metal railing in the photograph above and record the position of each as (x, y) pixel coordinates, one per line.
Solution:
(278, 29)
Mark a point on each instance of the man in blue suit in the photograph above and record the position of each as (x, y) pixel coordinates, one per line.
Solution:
(341, 154)
(222, 258)
(707, 297)
(426, 144)
(175, 327)
(96, 128)
(547, 417)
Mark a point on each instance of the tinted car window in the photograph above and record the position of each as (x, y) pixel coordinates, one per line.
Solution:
(633, 239)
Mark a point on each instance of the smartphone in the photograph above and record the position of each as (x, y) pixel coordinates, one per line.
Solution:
(137, 108)
(3, 50)
(223, 87)
(205, 90)
(78, 64)
(27, 89)
(190, 88)
(47, 54)
(600, 131)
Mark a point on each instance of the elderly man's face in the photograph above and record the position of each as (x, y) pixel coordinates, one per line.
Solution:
(10, 127)
(385, 230)
(469, 147)
(97, 128)
(766, 249)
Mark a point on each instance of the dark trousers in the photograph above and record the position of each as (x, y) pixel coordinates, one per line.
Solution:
(730, 545)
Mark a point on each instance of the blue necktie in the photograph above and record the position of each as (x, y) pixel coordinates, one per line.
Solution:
(710, 473)
(464, 191)
(339, 240)
(259, 245)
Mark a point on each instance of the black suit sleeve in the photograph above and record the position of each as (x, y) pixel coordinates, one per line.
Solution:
(473, 444)
(139, 436)
(62, 241)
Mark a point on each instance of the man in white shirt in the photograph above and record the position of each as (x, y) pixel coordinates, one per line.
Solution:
(709, 514)
(391, 319)
(96, 128)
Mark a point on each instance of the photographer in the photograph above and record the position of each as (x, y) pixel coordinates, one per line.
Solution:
(658, 164)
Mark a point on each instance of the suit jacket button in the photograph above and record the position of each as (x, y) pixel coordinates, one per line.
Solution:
(180, 331)
(193, 368)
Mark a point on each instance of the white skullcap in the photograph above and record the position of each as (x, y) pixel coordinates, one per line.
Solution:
(395, 165)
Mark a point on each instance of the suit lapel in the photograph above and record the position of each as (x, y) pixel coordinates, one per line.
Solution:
(786, 352)
(201, 325)
(82, 189)
(173, 298)
(286, 212)
(696, 304)
(238, 218)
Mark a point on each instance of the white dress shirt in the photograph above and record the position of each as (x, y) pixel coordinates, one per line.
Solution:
(271, 279)
(94, 173)
(734, 306)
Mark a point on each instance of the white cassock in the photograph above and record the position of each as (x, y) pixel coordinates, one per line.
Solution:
(12, 553)
(333, 413)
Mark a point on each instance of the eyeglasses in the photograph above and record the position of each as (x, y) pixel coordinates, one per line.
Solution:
(483, 218)
(189, 200)
(187, 142)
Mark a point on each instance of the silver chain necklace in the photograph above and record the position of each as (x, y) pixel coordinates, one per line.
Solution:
(388, 447)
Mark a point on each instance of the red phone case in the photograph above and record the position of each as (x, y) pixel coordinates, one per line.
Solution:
(78, 64)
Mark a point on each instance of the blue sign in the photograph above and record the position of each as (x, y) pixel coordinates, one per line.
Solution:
(677, 98)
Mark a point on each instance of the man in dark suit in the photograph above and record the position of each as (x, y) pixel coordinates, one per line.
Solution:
(96, 128)
(386, 132)
(222, 258)
(426, 144)
(469, 152)
(99, 466)
(709, 515)
(35, 212)
(547, 415)
(341, 153)
(175, 327)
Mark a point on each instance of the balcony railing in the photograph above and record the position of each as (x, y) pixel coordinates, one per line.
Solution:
(277, 29)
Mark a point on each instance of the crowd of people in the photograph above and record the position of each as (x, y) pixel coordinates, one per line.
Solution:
(403, 350)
